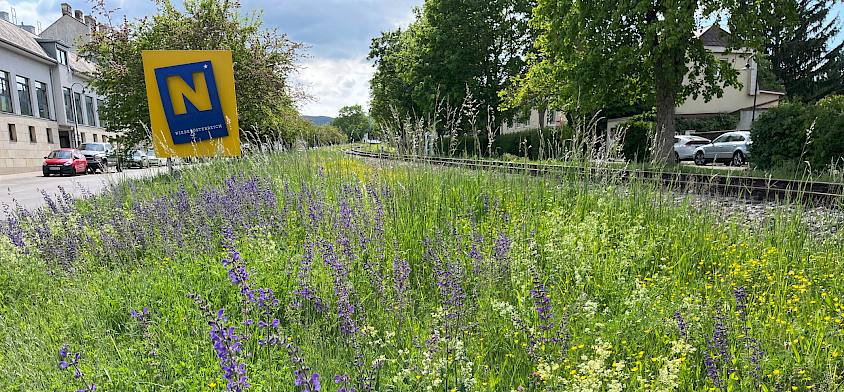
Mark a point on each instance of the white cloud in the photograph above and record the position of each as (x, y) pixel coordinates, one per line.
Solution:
(334, 83)
(32, 12)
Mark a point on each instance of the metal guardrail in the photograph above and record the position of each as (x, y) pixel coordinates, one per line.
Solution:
(753, 188)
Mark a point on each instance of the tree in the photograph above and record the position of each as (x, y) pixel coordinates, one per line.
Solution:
(605, 53)
(263, 61)
(801, 52)
(454, 49)
(395, 54)
(352, 121)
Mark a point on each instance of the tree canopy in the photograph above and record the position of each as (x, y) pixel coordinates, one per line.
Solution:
(604, 53)
(801, 50)
(263, 61)
(352, 121)
(454, 49)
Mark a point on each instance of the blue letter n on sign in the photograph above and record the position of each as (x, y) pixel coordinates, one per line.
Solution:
(191, 102)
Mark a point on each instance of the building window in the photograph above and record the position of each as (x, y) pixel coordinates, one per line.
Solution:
(50, 136)
(68, 105)
(105, 139)
(100, 105)
(95, 138)
(77, 101)
(32, 136)
(24, 96)
(5, 93)
(62, 56)
(13, 133)
(43, 103)
(82, 134)
(551, 115)
(89, 110)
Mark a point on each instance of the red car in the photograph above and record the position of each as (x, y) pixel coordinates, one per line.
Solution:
(65, 161)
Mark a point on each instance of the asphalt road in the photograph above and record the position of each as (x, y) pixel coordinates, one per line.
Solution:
(25, 188)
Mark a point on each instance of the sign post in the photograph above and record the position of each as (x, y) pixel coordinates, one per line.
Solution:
(192, 105)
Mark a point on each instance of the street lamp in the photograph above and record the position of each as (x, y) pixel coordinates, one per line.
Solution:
(73, 108)
(750, 67)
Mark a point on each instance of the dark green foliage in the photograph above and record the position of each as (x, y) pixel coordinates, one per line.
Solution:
(637, 144)
(794, 134)
(456, 51)
(353, 121)
(718, 122)
(801, 49)
(531, 143)
(263, 60)
(604, 53)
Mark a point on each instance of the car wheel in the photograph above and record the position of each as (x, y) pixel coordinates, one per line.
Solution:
(738, 159)
(46, 174)
(700, 160)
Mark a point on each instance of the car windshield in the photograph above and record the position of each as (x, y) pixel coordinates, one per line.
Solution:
(59, 154)
(92, 147)
(136, 153)
(151, 153)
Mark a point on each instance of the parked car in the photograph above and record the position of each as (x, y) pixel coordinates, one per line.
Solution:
(100, 156)
(732, 148)
(63, 161)
(137, 158)
(155, 160)
(686, 145)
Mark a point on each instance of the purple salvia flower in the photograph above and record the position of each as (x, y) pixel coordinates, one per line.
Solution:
(401, 271)
(65, 363)
(227, 345)
(682, 325)
(542, 304)
(345, 308)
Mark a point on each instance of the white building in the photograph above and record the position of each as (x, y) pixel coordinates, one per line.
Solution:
(748, 101)
(42, 82)
(553, 118)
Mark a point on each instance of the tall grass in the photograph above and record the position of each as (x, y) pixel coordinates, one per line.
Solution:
(315, 271)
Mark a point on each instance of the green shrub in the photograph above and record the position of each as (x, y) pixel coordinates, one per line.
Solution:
(528, 143)
(795, 133)
(636, 147)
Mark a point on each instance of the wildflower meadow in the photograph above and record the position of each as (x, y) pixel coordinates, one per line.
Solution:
(314, 271)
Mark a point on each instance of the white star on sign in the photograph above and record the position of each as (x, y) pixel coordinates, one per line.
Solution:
(205, 66)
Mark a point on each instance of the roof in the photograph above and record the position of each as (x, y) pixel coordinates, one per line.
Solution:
(28, 42)
(79, 64)
(22, 39)
(714, 35)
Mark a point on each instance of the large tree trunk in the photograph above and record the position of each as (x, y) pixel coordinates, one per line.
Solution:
(542, 112)
(666, 102)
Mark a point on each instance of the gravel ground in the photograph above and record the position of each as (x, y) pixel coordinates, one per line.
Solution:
(822, 222)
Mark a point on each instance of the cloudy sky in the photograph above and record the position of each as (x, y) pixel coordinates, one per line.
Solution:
(335, 72)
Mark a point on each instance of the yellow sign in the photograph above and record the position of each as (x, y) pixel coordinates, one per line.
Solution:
(192, 106)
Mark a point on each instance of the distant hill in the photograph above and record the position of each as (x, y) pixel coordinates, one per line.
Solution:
(319, 120)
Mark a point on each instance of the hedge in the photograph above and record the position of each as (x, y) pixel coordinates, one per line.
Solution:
(637, 146)
(793, 134)
(522, 144)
